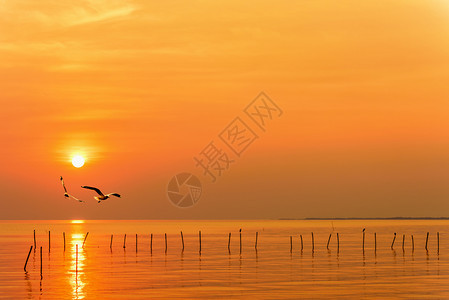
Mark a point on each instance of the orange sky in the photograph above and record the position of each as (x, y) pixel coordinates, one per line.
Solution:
(141, 87)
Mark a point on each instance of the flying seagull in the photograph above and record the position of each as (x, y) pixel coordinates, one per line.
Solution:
(102, 196)
(67, 195)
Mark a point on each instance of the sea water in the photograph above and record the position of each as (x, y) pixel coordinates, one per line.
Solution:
(276, 269)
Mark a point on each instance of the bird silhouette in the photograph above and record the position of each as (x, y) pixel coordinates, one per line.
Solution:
(101, 196)
(66, 194)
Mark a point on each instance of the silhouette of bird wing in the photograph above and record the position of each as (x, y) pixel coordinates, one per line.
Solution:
(63, 185)
(92, 188)
(68, 195)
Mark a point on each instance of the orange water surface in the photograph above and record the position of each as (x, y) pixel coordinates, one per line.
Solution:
(270, 272)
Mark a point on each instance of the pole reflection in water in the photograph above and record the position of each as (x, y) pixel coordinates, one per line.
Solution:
(77, 266)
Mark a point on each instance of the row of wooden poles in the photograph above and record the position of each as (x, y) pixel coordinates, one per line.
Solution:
(313, 242)
(182, 241)
(229, 243)
(363, 242)
(403, 241)
(124, 245)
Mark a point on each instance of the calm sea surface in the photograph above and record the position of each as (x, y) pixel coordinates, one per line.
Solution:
(271, 272)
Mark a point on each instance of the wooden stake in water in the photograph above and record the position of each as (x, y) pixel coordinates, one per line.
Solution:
(229, 243)
(302, 243)
(41, 263)
(328, 241)
(151, 243)
(124, 241)
(199, 236)
(63, 235)
(110, 244)
(427, 239)
(438, 242)
(136, 242)
(182, 240)
(26, 262)
(76, 260)
(338, 242)
(392, 243)
(49, 244)
(34, 235)
(240, 231)
(165, 243)
(255, 245)
(85, 238)
(413, 244)
(375, 242)
(403, 242)
(363, 243)
(313, 243)
(291, 244)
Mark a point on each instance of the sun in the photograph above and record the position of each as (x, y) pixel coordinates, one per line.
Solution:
(78, 161)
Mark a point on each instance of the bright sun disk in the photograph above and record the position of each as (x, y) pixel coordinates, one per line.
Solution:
(78, 161)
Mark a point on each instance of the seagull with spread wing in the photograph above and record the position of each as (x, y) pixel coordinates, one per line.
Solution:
(66, 194)
(101, 196)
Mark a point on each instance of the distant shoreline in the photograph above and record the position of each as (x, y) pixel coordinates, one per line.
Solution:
(389, 218)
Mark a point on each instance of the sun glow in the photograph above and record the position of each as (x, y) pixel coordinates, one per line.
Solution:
(77, 221)
(78, 161)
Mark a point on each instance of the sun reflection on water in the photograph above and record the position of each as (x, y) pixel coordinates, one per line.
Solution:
(77, 266)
